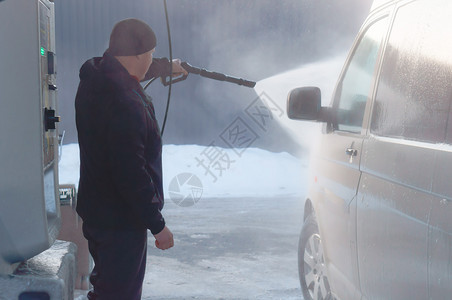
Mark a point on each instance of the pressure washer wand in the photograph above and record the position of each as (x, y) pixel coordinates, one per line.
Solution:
(211, 75)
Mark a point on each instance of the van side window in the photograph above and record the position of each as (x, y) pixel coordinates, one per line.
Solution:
(355, 87)
(414, 93)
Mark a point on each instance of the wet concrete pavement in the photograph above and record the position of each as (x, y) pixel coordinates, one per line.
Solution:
(233, 248)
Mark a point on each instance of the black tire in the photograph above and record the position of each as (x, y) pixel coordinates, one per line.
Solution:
(311, 265)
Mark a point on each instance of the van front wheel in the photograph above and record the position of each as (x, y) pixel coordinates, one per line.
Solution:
(311, 264)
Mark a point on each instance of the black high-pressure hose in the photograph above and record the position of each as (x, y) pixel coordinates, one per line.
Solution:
(171, 69)
(191, 69)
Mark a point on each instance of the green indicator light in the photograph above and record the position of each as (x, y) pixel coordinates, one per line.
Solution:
(43, 51)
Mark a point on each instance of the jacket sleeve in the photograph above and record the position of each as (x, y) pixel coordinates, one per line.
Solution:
(126, 145)
(159, 67)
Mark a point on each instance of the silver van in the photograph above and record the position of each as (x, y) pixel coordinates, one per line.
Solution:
(378, 214)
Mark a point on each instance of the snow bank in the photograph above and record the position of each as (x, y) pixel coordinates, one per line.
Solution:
(221, 172)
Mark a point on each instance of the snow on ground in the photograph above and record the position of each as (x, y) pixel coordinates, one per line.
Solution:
(256, 173)
(228, 248)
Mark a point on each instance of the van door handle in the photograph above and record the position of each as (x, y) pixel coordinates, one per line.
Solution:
(351, 152)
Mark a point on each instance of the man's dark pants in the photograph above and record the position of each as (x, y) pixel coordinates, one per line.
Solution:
(119, 263)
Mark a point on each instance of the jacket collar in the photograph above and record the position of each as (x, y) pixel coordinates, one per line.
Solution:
(113, 69)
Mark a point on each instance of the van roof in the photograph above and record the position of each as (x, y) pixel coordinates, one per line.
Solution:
(377, 3)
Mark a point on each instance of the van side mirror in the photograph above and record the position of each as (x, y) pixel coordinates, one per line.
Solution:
(305, 103)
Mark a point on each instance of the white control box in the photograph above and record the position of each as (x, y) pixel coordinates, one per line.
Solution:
(29, 202)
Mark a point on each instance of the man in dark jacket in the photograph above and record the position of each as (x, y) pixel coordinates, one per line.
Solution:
(120, 191)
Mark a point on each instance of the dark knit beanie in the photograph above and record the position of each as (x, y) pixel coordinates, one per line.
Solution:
(131, 37)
